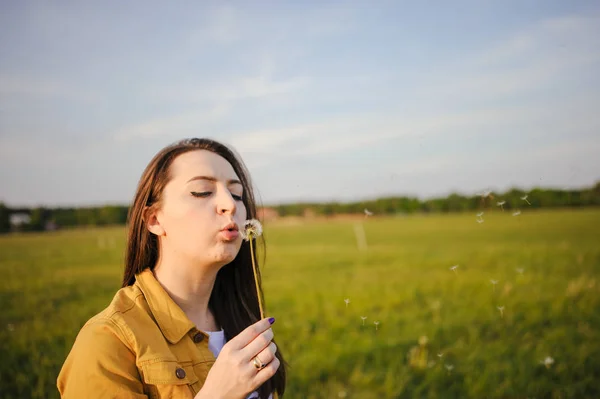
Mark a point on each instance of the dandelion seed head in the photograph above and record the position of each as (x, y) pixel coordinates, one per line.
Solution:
(480, 214)
(449, 367)
(252, 229)
(363, 318)
(500, 203)
(440, 355)
(516, 213)
(494, 281)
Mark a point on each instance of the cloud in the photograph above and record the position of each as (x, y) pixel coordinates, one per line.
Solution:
(179, 125)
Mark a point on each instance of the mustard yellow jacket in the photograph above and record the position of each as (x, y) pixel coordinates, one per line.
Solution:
(141, 346)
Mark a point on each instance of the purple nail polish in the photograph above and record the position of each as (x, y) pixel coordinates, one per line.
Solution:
(271, 320)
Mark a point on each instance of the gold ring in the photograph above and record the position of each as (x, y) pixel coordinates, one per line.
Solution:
(258, 364)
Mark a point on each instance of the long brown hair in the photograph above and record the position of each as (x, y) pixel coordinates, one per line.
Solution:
(233, 300)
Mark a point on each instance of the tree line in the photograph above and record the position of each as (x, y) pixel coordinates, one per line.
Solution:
(42, 218)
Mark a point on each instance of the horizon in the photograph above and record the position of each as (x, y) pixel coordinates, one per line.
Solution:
(327, 102)
(310, 202)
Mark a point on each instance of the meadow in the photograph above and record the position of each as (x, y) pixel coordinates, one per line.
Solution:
(517, 318)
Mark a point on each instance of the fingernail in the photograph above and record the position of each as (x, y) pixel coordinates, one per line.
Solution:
(271, 320)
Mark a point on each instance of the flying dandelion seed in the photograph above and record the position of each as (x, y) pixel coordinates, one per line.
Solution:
(485, 193)
(494, 282)
(368, 213)
(376, 325)
(480, 221)
(524, 198)
(363, 318)
(453, 268)
(501, 204)
(516, 213)
(548, 361)
(480, 214)
(347, 300)
(520, 270)
(501, 309)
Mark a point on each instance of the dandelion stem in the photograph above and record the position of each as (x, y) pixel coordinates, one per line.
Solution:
(262, 313)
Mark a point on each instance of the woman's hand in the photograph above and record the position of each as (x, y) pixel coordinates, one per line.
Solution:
(234, 375)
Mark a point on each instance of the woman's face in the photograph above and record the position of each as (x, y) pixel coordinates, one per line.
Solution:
(198, 205)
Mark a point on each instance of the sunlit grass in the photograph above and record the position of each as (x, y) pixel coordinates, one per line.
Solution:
(546, 265)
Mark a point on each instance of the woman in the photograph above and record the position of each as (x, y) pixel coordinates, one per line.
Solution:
(185, 323)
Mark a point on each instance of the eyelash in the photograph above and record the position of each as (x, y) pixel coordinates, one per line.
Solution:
(207, 193)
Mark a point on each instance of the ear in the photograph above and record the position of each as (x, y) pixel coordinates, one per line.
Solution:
(152, 223)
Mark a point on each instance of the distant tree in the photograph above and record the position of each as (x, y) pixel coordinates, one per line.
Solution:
(4, 218)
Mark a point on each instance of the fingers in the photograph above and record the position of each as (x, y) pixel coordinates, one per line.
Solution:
(266, 373)
(250, 333)
(257, 345)
(268, 354)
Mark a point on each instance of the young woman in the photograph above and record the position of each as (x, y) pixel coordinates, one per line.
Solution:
(186, 323)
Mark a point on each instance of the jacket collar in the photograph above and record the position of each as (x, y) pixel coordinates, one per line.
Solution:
(171, 319)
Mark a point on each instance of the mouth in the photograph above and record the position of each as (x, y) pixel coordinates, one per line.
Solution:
(231, 227)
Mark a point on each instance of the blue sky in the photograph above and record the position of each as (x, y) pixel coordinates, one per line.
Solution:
(323, 100)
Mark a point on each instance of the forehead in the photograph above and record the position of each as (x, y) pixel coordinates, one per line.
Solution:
(201, 163)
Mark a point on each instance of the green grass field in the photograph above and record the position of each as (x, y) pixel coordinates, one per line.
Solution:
(52, 283)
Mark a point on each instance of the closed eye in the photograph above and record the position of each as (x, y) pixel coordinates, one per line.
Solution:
(201, 195)
(205, 194)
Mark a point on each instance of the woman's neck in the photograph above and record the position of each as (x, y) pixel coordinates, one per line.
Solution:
(190, 287)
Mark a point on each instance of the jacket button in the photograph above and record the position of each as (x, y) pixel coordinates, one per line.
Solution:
(180, 373)
(199, 337)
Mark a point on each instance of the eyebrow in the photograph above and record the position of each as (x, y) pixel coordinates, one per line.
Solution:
(213, 179)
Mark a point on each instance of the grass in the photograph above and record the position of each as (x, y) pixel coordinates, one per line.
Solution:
(53, 282)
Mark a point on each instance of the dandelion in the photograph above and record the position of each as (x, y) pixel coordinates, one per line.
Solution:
(516, 213)
(524, 198)
(480, 214)
(480, 221)
(368, 213)
(548, 361)
(449, 367)
(453, 268)
(363, 318)
(494, 282)
(440, 355)
(347, 300)
(501, 309)
(253, 229)
(501, 204)
(376, 325)
(520, 270)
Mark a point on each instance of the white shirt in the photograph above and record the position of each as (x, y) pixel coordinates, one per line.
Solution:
(216, 341)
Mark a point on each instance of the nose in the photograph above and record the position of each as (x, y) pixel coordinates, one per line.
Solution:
(225, 202)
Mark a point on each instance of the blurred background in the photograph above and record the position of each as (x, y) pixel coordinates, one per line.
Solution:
(428, 174)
